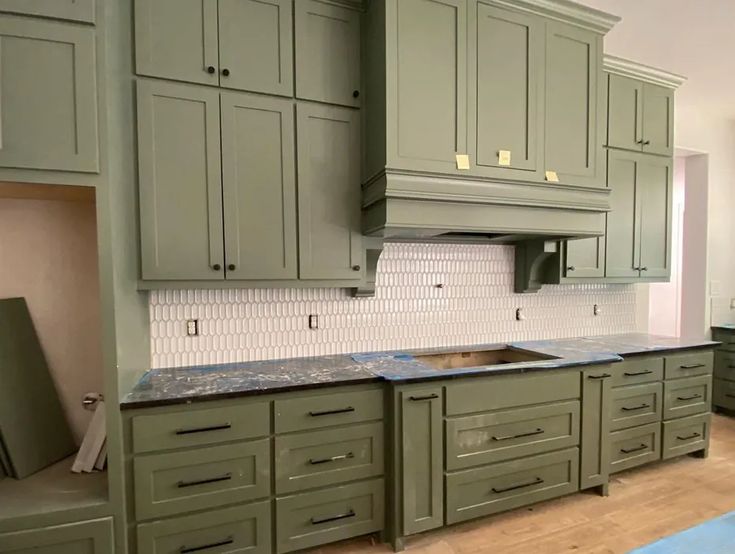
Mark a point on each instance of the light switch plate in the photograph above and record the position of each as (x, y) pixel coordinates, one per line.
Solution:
(192, 327)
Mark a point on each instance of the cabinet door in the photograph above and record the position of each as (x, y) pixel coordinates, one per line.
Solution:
(654, 188)
(658, 120)
(87, 537)
(423, 459)
(595, 439)
(625, 112)
(180, 181)
(259, 186)
(329, 193)
(327, 53)
(49, 96)
(177, 39)
(256, 45)
(623, 221)
(574, 97)
(585, 257)
(506, 114)
(75, 10)
(426, 42)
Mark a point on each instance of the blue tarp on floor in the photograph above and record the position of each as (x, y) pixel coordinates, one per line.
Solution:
(713, 537)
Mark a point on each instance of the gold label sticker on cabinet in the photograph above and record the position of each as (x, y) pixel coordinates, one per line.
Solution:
(503, 157)
(463, 161)
(552, 177)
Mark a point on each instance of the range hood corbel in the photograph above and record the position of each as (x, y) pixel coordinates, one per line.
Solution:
(531, 260)
(373, 249)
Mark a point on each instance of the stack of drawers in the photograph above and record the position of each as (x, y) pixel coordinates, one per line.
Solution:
(524, 451)
(723, 395)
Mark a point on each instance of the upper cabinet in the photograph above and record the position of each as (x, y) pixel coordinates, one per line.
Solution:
(74, 10)
(49, 95)
(239, 44)
(327, 53)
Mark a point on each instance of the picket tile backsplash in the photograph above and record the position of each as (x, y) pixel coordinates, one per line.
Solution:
(474, 304)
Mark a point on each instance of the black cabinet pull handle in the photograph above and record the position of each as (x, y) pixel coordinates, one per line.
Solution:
(536, 481)
(216, 267)
(731, 366)
(538, 431)
(185, 484)
(333, 412)
(730, 395)
(341, 457)
(317, 521)
(211, 69)
(603, 376)
(571, 268)
(646, 143)
(636, 373)
(187, 549)
(636, 449)
(635, 408)
(204, 429)
(692, 366)
(420, 398)
(644, 269)
(692, 397)
(226, 72)
(689, 437)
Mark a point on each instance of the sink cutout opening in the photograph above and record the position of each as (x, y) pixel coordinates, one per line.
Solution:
(480, 358)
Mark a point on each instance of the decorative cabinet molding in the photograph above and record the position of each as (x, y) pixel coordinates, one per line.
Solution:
(73, 10)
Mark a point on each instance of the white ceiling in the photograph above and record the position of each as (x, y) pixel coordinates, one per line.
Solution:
(694, 38)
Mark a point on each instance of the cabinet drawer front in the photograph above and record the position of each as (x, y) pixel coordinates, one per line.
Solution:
(685, 397)
(725, 365)
(199, 427)
(636, 405)
(233, 530)
(689, 365)
(329, 515)
(167, 484)
(322, 458)
(634, 447)
(499, 487)
(723, 394)
(509, 391)
(686, 435)
(637, 371)
(324, 410)
(87, 537)
(490, 438)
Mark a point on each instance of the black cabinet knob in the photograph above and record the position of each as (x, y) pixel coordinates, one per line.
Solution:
(355, 93)
(571, 268)
(646, 142)
(216, 267)
(211, 69)
(226, 72)
(231, 267)
(356, 268)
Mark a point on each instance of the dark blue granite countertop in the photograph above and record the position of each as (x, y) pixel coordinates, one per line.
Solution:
(199, 383)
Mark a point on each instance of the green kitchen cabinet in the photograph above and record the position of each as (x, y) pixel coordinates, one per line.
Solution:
(584, 258)
(86, 537)
(506, 114)
(658, 120)
(575, 100)
(327, 40)
(623, 222)
(48, 87)
(329, 194)
(259, 186)
(180, 182)
(654, 188)
(73, 10)
(595, 439)
(238, 44)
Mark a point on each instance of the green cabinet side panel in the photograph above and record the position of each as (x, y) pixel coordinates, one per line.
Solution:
(573, 98)
(625, 113)
(327, 53)
(87, 537)
(585, 257)
(259, 186)
(595, 436)
(506, 113)
(74, 10)
(177, 39)
(423, 458)
(48, 88)
(329, 193)
(654, 188)
(623, 222)
(180, 181)
(658, 120)
(256, 45)
(427, 83)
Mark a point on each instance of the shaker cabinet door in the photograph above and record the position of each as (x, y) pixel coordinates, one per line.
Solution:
(259, 186)
(624, 219)
(595, 440)
(256, 45)
(327, 53)
(585, 257)
(655, 191)
(329, 193)
(49, 96)
(625, 113)
(658, 120)
(74, 10)
(180, 181)
(177, 39)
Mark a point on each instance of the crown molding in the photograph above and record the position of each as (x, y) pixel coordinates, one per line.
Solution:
(566, 11)
(628, 68)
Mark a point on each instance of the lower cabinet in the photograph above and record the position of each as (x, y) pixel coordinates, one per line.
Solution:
(686, 435)
(87, 537)
(595, 452)
(723, 385)
(635, 446)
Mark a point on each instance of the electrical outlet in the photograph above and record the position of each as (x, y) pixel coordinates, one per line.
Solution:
(313, 321)
(596, 310)
(519, 314)
(192, 327)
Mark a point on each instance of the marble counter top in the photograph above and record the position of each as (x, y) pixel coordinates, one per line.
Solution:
(200, 383)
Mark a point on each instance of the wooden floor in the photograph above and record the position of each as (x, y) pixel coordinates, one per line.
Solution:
(644, 505)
